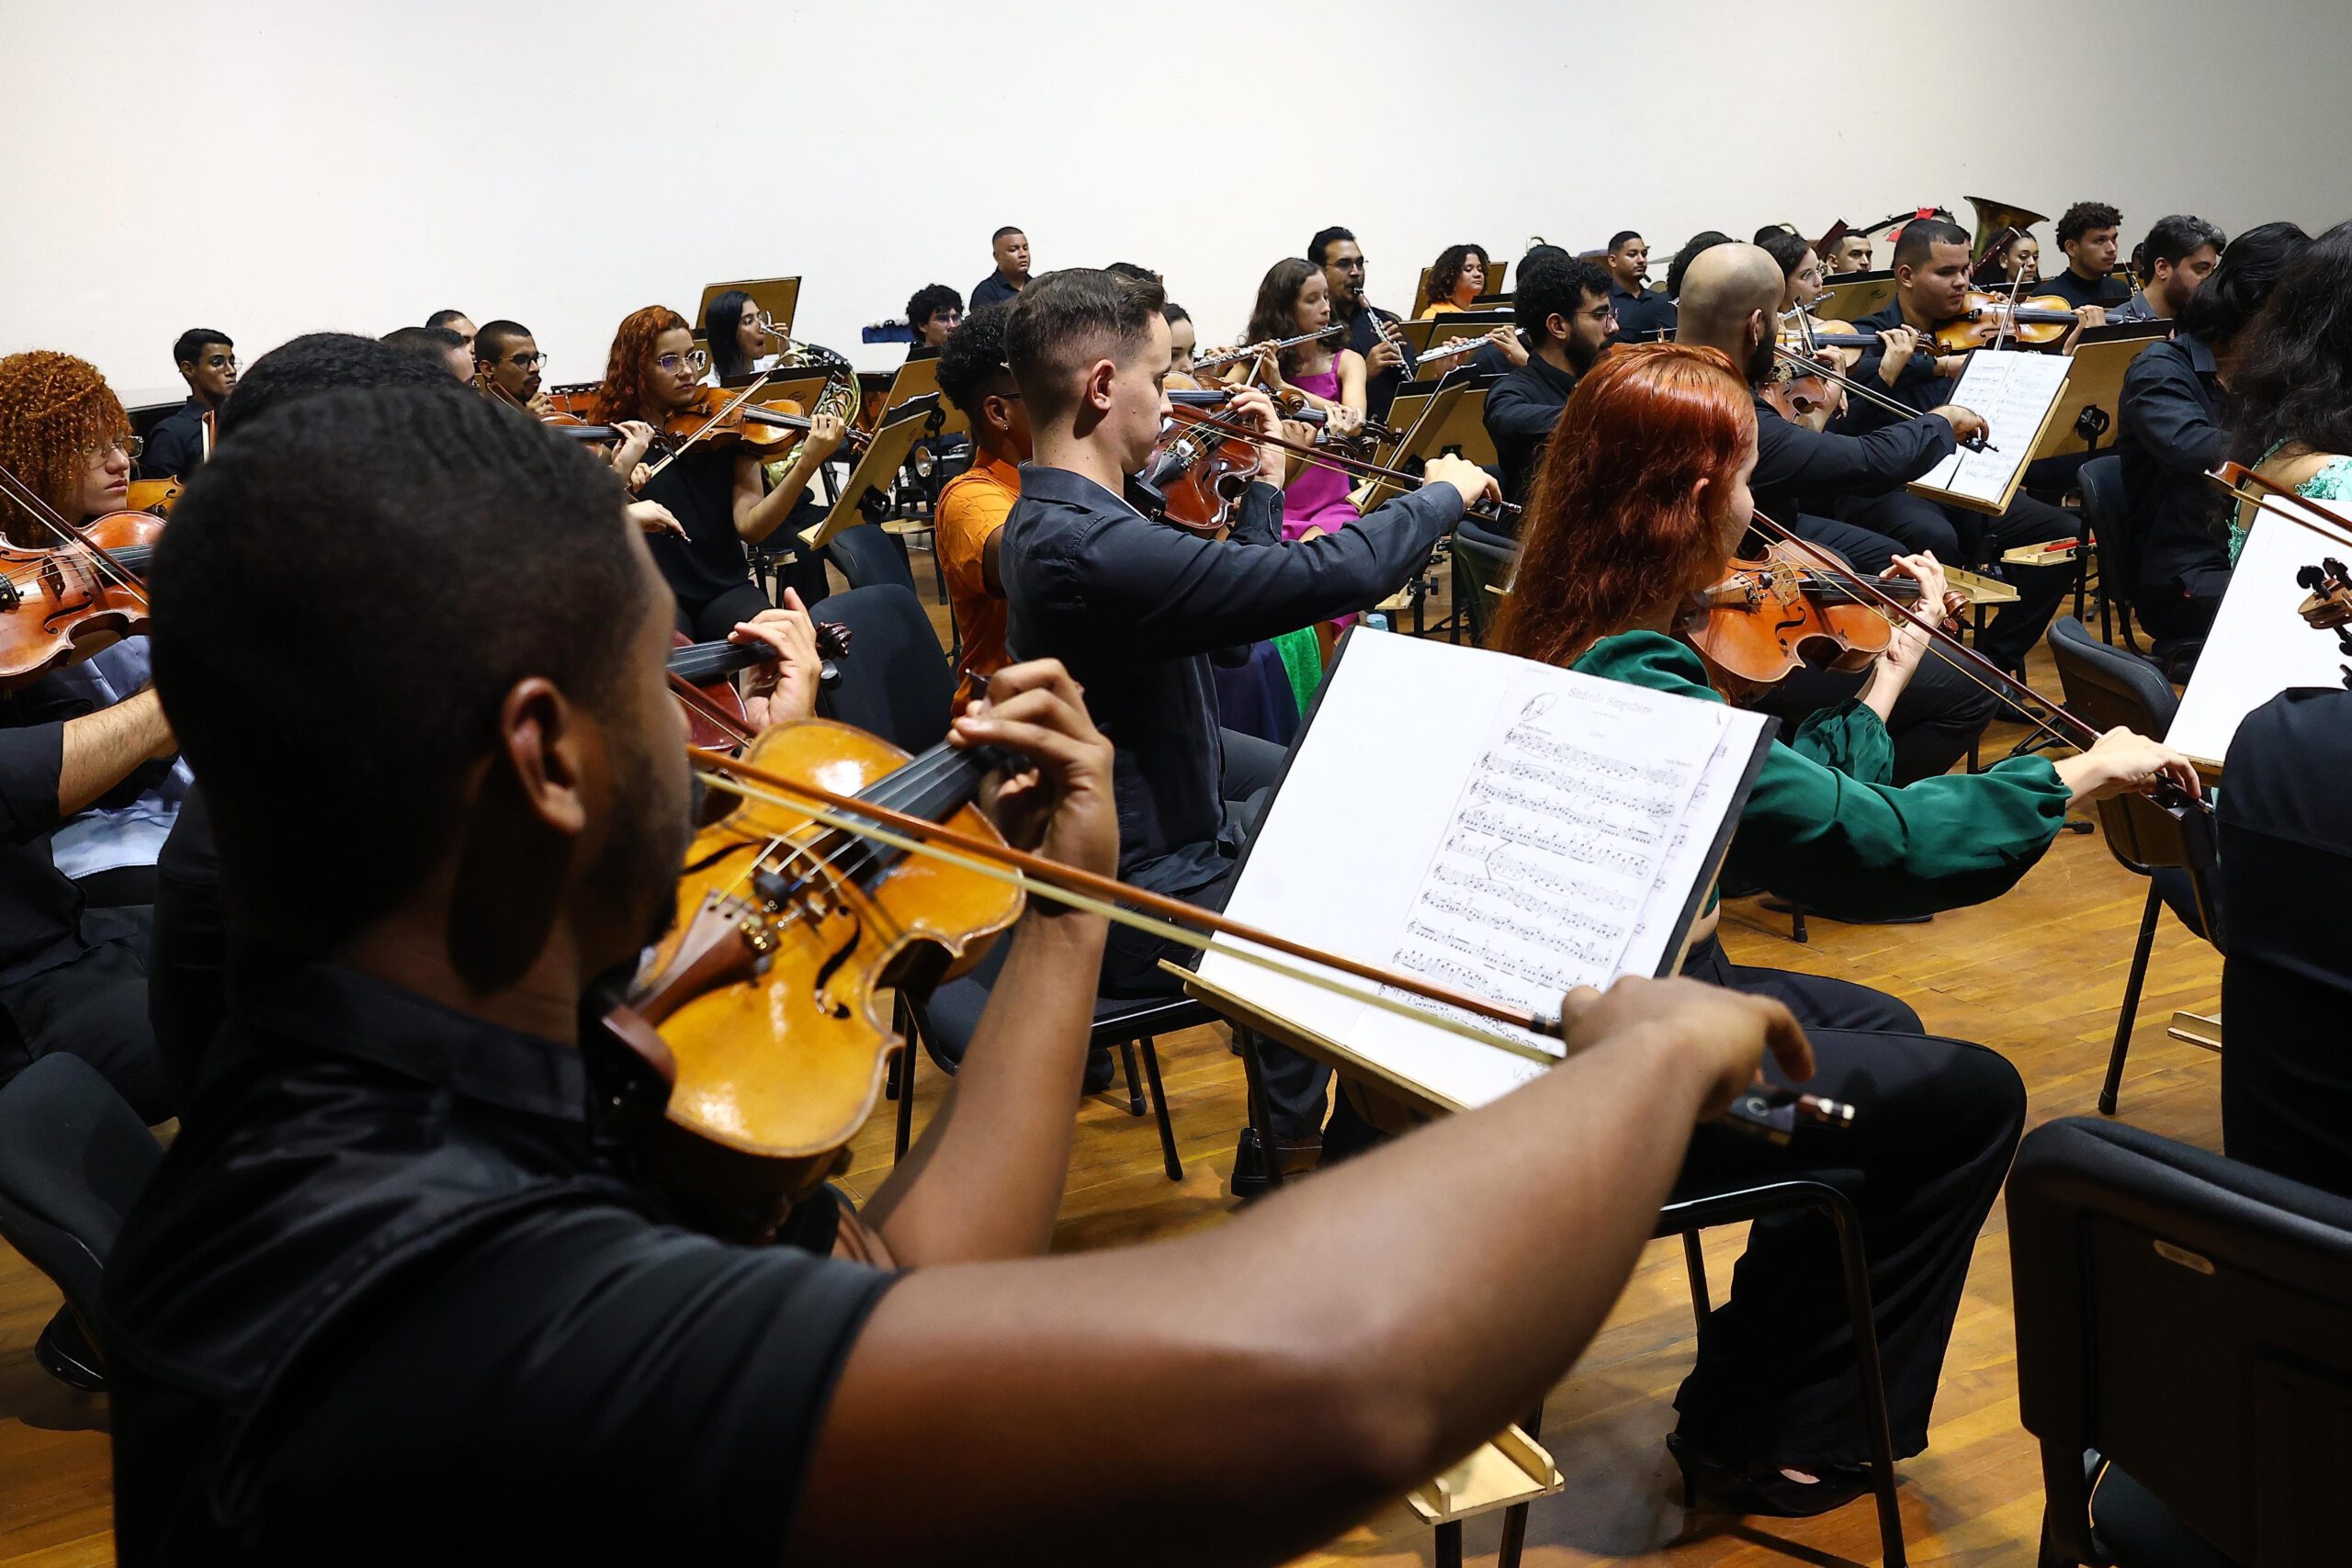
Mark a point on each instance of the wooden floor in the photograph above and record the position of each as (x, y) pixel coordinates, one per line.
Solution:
(2038, 973)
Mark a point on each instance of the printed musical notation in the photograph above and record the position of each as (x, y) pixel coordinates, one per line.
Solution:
(2015, 391)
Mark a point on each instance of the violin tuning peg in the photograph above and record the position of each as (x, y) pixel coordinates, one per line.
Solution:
(2309, 576)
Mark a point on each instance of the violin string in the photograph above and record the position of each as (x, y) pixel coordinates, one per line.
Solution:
(1152, 925)
(49, 517)
(1361, 467)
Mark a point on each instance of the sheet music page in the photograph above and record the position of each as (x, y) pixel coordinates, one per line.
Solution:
(2013, 389)
(2260, 647)
(1542, 830)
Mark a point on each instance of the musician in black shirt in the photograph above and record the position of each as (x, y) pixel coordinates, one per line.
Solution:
(1563, 308)
(2088, 232)
(183, 438)
(1009, 247)
(404, 1289)
(1642, 315)
(1387, 361)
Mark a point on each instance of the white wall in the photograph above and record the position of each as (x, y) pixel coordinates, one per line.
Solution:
(272, 167)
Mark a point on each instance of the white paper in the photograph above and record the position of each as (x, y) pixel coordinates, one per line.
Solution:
(2260, 647)
(2013, 390)
(1543, 829)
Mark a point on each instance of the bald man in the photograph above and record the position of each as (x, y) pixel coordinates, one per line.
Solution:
(1731, 301)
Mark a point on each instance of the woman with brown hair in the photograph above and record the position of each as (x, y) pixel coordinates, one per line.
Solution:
(716, 492)
(1640, 502)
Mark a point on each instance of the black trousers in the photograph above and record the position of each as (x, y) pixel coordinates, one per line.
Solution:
(1958, 536)
(95, 1008)
(1938, 1122)
(2179, 614)
(711, 620)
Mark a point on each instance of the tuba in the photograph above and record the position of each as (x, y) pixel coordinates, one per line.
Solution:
(1994, 220)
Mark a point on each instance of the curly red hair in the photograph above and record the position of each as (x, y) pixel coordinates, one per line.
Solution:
(1614, 530)
(623, 394)
(54, 409)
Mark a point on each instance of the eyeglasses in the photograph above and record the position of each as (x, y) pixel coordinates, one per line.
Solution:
(129, 446)
(696, 361)
(1354, 265)
(528, 361)
(218, 361)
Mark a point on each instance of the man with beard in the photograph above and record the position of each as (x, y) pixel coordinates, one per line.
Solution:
(1731, 300)
(1387, 363)
(404, 1288)
(508, 362)
(1563, 308)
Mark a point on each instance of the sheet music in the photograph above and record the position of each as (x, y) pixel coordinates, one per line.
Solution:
(2014, 390)
(1546, 831)
(2260, 647)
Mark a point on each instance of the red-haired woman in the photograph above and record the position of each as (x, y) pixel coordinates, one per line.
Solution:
(1641, 498)
(716, 492)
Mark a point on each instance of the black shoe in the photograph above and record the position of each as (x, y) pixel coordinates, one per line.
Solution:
(1249, 1166)
(1763, 1490)
(65, 1353)
(1099, 1070)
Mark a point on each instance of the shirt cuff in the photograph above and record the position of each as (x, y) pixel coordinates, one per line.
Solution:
(32, 762)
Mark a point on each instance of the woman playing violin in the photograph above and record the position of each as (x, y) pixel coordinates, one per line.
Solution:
(716, 492)
(1800, 265)
(1640, 502)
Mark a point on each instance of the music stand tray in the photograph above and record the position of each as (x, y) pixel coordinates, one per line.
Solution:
(779, 297)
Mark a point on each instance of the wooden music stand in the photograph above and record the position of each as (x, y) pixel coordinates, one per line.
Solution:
(919, 377)
(884, 456)
(779, 297)
(1424, 413)
(798, 385)
(1854, 295)
(1496, 270)
(2085, 418)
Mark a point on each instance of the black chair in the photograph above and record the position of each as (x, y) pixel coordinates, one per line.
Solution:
(2101, 480)
(1479, 558)
(893, 680)
(74, 1157)
(869, 556)
(2108, 686)
(2184, 1343)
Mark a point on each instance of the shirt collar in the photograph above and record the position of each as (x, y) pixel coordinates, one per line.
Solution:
(1551, 375)
(345, 1013)
(1043, 483)
(996, 470)
(1618, 290)
(2201, 353)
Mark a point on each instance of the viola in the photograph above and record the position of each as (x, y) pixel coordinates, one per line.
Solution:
(755, 1039)
(717, 415)
(2044, 319)
(1768, 618)
(1196, 474)
(703, 679)
(156, 497)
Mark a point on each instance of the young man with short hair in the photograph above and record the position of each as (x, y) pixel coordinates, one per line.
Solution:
(507, 362)
(445, 344)
(1010, 247)
(1852, 253)
(1563, 309)
(1643, 315)
(970, 512)
(933, 312)
(2179, 254)
(456, 321)
(2088, 232)
(182, 439)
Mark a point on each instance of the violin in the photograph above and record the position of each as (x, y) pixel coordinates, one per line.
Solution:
(2044, 319)
(1195, 474)
(2328, 606)
(1768, 618)
(703, 679)
(1794, 390)
(155, 497)
(751, 1045)
(85, 589)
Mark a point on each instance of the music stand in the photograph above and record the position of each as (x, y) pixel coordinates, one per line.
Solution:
(919, 377)
(779, 297)
(2084, 419)
(875, 470)
(1854, 295)
(798, 385)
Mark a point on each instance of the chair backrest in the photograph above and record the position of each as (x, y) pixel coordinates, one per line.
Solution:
(2108, 686)
(869, 557)
(74, 1157)
(895, 680)
(2101, 483)
(2189, 1318)
(1479, 558)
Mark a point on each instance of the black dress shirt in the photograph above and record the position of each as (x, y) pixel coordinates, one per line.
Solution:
(394, 1298)
(2138, 308)
(992, 290)
(700, 491)
(1646, 317)
(2286, 848)
(42, 923)
(1797, 469)
(2171, 433)
(1918, 383)
(1521, 411)
(175, 445)
(2112, 289)
(1135, 608)
(1364, 337)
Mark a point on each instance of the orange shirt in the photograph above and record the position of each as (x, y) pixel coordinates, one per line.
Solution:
(973, 506)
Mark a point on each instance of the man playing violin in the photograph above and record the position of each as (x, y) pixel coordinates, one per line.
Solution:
(1136, 608)
(507, 362)
(183, 438)
(399, 1264)
(717, 491)
(1931, 268)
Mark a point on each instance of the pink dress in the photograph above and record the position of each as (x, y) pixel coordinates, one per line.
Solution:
(1319, 498)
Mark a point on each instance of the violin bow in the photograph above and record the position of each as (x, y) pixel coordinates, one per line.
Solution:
(49, 517)
(1361, 468)
(1867, 393)
(1184, 923)
(708, 425)
(1983, 672)
(2312, 516)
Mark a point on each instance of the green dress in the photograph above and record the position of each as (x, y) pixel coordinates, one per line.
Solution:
(2333, 483)
(1824, 826)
